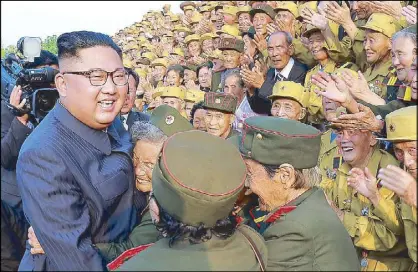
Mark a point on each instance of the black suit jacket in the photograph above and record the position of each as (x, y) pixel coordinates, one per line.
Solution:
(259, 102)
(134, 116)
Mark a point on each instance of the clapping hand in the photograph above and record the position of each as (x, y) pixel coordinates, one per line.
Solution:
(339, 14)
(364, 183)
(329, 89)
(316, 19)
(364, 119)
(260, 42)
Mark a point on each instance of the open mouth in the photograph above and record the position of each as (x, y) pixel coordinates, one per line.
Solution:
(106, 104)
(347, 149)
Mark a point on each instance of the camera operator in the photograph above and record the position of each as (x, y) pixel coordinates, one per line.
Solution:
(14, 131)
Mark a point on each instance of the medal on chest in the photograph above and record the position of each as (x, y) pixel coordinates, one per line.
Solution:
(376, 87)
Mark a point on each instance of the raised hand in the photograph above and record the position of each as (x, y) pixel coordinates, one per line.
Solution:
(260, 42)
(328, 88)
(315, 19)
(339, 14)
(364, 183)
(364, 119)
(410, 13)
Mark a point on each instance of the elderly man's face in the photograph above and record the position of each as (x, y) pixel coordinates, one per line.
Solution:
(231, 58)
(189, 107)
(411, 79)
(233, 87)
(288, 109)
(173, 78)
(207, 46)
(205, 77)
(316, 46)
(194, 48)
(377, 46)
(145, 158)
(218, 123)
(362, 9)
(159, 72)
(279, 51)
(355, 145)
(406, 152)
(174, 102)
(260, 22)
(189, 75)
(199, 120)
(284, 16)
(130, 98)
(403, 54)
(181, 36)
(95, 106)
(330, 108)
(244, 22)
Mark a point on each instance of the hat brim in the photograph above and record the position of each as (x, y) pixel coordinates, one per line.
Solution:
(255, 11)
(373, 28)
(397, 140)
(308, 33)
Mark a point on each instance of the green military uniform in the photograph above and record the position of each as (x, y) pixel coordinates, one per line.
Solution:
(401, 125)
(376, 231)
(304, 234)
(201, 195)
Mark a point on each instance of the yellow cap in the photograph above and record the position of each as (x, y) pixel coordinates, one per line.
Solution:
(196, 18)
(141, 72)
(289, 6)
(194, 96)
(165, 53)
(401, 125)
(168, 34)
(232, 10)
(146, 23)
(127, 63)
(149, 55)
(289, 89)
(243, 9)
(174, 92)
(190, 38)
(382, 23)
(183, 29)
(207, 36)
(207, 8)
(310, 29)
(159, 62)
(230, 30)
(175, 18)
(178, 51)
(157, 93)
(216, 54)
(309, 4)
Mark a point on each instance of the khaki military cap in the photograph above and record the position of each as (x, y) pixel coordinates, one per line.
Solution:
(292, 90)
(401, 125)
(243, 9)
(230, 30)
(232, 10)
(127, 63)
(231, 44)
(194, 96)
(144, 61)
(220, 101)
(216, 54)
(196, 18)
(173, 92)
(206, 192)
(193, 37)
(175, 18)
(206, 8)
(168, 34)
(178, 51)
(159, 62)
(289, 6)
(146, 23)
(157, 93)
(382, 23)
(141, 72)
(183, 29)
(149, 55)
(169, 120)
(275, 141)
(263, 8)
(207, 36)
(187, 5)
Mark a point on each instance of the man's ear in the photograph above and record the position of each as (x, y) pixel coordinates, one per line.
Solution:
(61, 85)
(286, 176)
(302, 113)
(373, 140)
(390, 44)
(231, 119)
(291, 49)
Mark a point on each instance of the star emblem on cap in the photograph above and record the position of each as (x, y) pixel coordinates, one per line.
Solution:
(217, 101)
(392, 127)
(169, 119)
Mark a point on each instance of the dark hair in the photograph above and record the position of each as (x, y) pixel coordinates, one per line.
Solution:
(69, 44)
(299, 181)
(178, 68)
(196, 107)
(207, 64)
(132, 73)
(177, 231)
(45, 58)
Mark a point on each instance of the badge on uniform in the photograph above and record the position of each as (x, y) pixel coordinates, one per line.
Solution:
(169, 119)
(375, 88)
(331, 174)
(365, 211)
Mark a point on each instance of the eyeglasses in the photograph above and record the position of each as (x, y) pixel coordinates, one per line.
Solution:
(98, 77)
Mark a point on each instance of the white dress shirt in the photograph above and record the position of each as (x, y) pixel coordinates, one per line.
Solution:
(286, 70)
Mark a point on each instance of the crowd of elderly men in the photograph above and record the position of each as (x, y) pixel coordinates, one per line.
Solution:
(320, 99)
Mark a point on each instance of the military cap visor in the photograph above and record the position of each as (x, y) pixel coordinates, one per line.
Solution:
(401, 125)
(263, 8)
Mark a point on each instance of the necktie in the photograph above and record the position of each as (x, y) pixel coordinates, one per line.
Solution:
(122, 118)
(278, 77)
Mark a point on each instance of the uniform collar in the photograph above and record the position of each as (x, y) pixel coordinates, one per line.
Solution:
(373, 164)
(383, 71)
(98, 138)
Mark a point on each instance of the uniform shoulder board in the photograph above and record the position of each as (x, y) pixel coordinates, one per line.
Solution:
(347, 65)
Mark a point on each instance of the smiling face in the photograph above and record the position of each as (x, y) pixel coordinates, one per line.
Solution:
(403, 54)
(173, 78)
(95, 106)
(377, 46)
(231, 58)
(411, 79)
(244, 21)
(316, 46)
(406, 152)
(218, 123)
(145, 157)
(205, 77)
(356, 146)
(288, 109)
(130, 98)
(279, 51)
(194, 48)
(260, 22)
(199, 120)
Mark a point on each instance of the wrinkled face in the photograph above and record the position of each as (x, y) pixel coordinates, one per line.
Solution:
(189, 75)
(279, 51)
(244, 21)
(199, 120)
(406, 152)
(159, 72)
(95, 106)
(173, 78)
(316, 46)
(411, 79)
(260, 22)
(218, 123)
(207, 46)
(229, 19)
(194, 48)
(174, 102)
(130, 98)
(403, 54)
(355, 145)
(288, 109)
(330, 108)
(205, 77)
(233, 87)
(189, 107)
(362, 9)
(377, 46)
(231, 58)
(145, 157)
(181, 36)
(284, 16)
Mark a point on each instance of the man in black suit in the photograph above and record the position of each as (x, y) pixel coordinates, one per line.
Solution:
(127, 115)
(285, 68)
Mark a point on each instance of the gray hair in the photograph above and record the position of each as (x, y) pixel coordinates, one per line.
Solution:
(145, 131)
(405, 34)
(289, 38)
(234, 73)
(305, 178)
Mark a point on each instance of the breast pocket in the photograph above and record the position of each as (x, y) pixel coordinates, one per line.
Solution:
(111, 188)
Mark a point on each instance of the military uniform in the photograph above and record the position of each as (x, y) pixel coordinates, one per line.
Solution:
(329, 159)
(376, 231)
(304, 234)
(194, 198)
(176, 92)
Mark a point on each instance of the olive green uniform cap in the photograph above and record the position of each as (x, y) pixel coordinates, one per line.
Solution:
(263, 8)
(231, 44)
(220, 101)
(206, 192)
(401, 125)
(274, 141)
(169, 120)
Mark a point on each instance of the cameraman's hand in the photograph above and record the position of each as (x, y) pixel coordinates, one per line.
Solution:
(15, 101)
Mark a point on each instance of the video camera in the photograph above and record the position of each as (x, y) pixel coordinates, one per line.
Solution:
(35, 83)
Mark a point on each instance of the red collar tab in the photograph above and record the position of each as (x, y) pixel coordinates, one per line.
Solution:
(126, 256)
(283, 210)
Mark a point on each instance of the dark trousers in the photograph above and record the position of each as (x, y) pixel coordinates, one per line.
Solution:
(14, 232)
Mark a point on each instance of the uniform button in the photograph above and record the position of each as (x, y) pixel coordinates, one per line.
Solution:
(249, 153)
(259, 136)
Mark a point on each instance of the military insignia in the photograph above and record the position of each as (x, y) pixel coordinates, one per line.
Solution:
(365, 211)
(226, 42)
(376, 89)
(169, 119)
(217, 101)
(392, 127)
(364, 262)
(331, 174)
